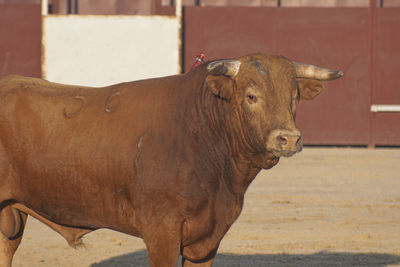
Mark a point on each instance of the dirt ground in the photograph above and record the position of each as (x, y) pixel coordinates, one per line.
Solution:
(322, 207)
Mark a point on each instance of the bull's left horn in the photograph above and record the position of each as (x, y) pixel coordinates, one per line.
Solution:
(314, 72)
(227, 67)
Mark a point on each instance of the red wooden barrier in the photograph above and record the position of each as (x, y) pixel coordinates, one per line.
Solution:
(20, 45)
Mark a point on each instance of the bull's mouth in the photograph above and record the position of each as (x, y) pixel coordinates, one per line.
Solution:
(268, 160)
(284, 153)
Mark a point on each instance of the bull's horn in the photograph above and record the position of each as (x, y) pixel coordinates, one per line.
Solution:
(227, 67)
(315, 72)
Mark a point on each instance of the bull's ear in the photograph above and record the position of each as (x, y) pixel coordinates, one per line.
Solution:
(309, 88)
(221, 86)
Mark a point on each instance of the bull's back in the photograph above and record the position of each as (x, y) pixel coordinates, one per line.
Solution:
(76, 147)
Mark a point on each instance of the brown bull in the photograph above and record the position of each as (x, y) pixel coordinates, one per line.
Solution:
(167, 159)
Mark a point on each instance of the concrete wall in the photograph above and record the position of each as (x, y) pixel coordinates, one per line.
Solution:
(102, 50)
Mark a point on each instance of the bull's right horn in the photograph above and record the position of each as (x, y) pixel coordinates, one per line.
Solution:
(314, 72)
(227, 67)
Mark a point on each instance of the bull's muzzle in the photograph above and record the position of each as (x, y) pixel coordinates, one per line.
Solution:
(284, 142)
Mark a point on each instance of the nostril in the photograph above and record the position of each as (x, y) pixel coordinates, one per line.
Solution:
(282, 140)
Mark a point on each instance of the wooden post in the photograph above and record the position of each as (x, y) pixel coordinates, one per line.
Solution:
(372, 70)
(178, 15)
(45, 7)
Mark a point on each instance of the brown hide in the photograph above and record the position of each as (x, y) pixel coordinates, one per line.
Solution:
(166, 159)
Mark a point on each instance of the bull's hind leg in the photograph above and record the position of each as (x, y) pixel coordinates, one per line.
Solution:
(10, 221)
(12, 224)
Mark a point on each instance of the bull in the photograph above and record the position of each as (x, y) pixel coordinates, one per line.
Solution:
(167, 160)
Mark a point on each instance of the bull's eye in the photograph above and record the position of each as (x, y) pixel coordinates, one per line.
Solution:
(252, 98)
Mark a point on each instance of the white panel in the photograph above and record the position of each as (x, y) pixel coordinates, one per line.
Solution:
(102, 50)
(385, 108)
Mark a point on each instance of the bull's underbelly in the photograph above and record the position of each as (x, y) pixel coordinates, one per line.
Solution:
(105, 210)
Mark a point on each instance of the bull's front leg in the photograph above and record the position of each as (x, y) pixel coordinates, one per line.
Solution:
(163, 249)
(162, 253)
(163, 241)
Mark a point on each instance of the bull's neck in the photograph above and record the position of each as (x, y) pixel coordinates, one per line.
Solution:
(219, 137)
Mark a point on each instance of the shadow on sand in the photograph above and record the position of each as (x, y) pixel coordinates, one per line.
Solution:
(275, 260)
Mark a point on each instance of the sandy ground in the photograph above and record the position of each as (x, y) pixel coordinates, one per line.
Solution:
(322, 207)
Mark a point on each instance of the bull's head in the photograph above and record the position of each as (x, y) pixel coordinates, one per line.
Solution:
(264, 89)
